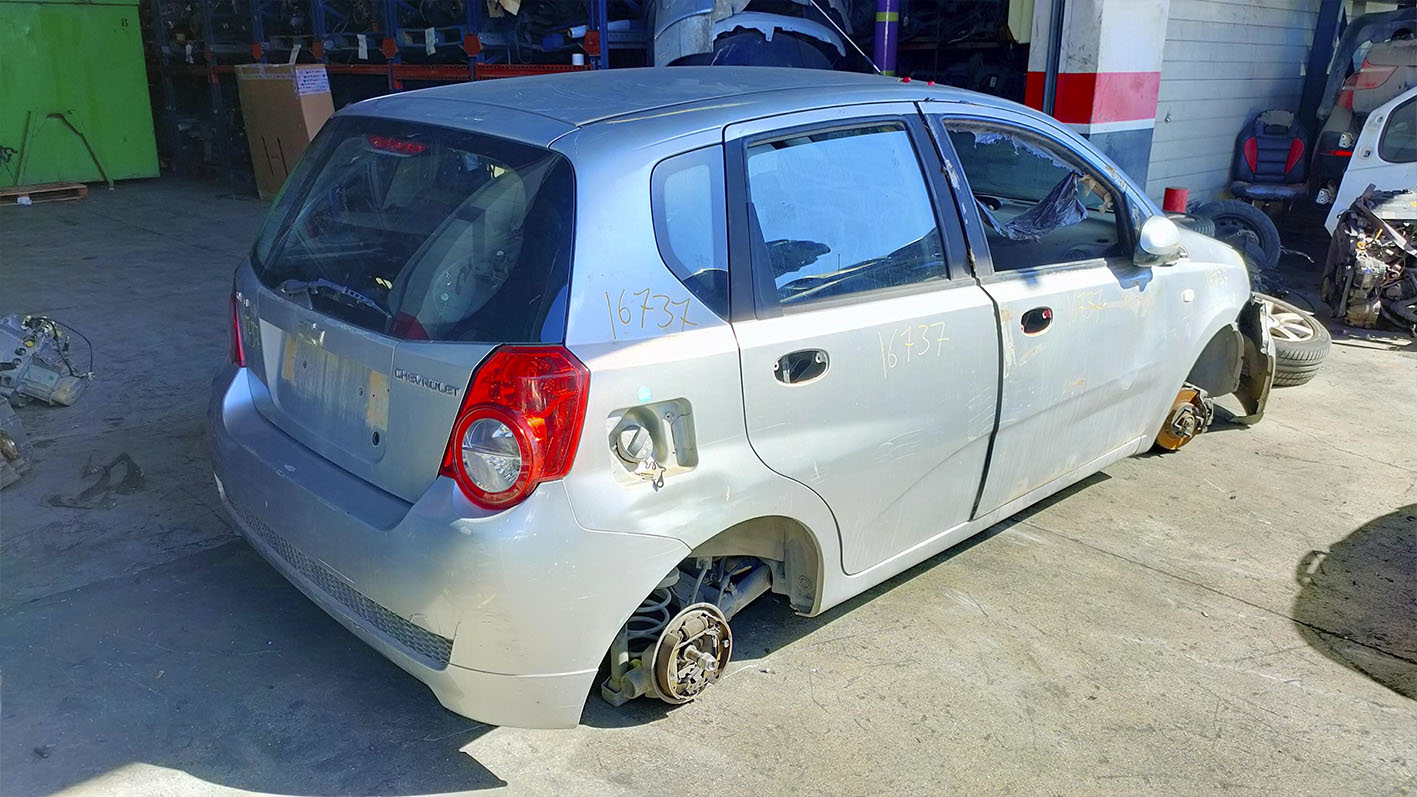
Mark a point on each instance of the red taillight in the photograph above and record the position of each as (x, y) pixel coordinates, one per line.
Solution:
(1252, 153)
(1296, 151)
(238, 349)
(519, 425)
(1370, 76)
(398, 146)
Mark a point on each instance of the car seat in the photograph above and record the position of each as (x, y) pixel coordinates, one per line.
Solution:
(1271, 159)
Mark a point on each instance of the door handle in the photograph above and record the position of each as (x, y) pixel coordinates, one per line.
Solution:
(1037, 320)
(800, 366)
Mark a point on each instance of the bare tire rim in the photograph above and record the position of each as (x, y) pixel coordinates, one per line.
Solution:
(1288, 324)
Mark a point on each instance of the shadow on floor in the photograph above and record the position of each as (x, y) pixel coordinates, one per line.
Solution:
(1357, 602)
(214, 666)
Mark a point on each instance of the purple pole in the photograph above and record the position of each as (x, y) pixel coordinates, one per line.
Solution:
(887, 33)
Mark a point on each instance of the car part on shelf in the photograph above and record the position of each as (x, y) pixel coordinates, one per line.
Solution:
(34, 361)
(1371, 272)
(1190, 415)
(1300, 342)
(1231, 216)
(14, 446)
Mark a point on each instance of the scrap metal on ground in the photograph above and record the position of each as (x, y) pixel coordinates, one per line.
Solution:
(35, 362)
(1371, 272)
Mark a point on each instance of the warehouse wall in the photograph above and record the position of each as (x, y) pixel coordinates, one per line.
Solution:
(1223, 62)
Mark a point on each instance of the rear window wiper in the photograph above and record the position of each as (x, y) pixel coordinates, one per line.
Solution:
(315, 287)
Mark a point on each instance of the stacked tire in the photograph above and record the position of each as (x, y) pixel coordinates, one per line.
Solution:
(1231, 217)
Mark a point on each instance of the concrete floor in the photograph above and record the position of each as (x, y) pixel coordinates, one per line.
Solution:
(1241, 616)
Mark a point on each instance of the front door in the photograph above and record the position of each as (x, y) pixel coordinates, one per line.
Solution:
(869, 354)
(1083, 328)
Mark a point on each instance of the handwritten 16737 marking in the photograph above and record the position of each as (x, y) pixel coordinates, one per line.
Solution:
(653, 308)
(931, 338)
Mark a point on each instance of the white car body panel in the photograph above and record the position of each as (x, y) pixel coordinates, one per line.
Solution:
(1367, 166)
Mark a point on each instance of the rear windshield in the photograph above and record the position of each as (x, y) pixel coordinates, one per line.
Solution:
(424, 233)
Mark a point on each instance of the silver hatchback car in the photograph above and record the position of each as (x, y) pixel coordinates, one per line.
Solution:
(535, 383)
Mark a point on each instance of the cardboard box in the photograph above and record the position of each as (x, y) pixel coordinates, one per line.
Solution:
(284, 106)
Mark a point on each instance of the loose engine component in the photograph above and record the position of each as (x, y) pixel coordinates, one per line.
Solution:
(1372, 261)
(34, 362)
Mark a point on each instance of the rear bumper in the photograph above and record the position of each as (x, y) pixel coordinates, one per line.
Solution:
(505, 616)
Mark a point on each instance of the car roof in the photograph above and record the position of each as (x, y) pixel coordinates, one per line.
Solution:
(578, 99)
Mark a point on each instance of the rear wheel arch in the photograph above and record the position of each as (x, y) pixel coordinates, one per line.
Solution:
(785, 543)
(768, 553)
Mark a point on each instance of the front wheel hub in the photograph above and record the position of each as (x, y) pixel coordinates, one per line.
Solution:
(1190, 415)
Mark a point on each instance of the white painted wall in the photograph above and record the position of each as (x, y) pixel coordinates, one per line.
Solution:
(1223, 62)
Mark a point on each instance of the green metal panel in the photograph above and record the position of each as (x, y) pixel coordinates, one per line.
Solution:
(73, 94)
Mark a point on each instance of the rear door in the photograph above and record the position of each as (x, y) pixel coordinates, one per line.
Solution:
(397, 257)
(1084, 330)
(869, 354)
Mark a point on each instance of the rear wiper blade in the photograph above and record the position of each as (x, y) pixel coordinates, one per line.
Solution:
(294, 287)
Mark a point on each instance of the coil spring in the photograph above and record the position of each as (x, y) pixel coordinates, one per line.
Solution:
(649, 620)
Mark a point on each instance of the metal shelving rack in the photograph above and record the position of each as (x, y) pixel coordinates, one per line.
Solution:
(199, 43)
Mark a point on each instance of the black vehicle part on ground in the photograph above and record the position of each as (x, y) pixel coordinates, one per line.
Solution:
(1200, 224)
(1371, 272)
(1301, 342)
(1231, 216)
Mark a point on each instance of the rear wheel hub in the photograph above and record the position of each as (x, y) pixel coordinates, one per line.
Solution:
(691, 653)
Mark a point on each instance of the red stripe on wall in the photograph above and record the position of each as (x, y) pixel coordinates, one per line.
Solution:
(1092, 97)
(1033, 90)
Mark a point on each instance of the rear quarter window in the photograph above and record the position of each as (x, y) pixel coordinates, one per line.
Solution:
(425, 233)
(1398, 143)
(690, 225)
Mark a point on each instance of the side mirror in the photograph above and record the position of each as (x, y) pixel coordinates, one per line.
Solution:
(1159, 243)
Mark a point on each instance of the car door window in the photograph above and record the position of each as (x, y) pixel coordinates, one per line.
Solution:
(1040, 204)
(686, 195)
(841, 212)
(1398, 143)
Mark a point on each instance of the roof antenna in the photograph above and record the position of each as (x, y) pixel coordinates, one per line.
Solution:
(832, 22)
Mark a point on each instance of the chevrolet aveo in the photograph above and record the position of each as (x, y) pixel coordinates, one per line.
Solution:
(535, 383)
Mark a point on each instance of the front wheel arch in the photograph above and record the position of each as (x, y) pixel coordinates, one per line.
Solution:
(1256, 363)
(1217, 370)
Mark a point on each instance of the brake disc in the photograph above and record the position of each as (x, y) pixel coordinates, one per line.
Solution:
(1189, 416)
